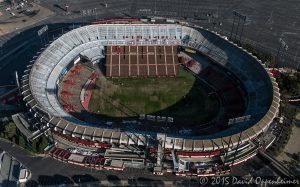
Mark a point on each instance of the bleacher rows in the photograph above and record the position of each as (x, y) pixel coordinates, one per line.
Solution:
(84, 36)
(83, 160)
(63, 50)
(248, 68)
(94, 53)
(39, 87)
(240, 64)
(69, 94)
(111, 136)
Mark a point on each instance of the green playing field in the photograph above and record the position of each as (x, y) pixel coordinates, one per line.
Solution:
(182, 97)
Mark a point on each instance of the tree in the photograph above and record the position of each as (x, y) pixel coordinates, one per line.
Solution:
(43, 143)
(21, 141)
(289, 84)
(10, 131)
(34, 146)
(296, 156)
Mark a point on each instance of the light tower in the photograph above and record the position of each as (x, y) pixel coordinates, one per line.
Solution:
(240, 18)
(282, 45)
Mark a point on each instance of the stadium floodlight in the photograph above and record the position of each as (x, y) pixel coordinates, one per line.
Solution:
(240, 17)
(282, 45)
(95, 11)
(243, 17)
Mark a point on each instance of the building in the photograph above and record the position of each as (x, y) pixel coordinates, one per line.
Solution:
(191, 154)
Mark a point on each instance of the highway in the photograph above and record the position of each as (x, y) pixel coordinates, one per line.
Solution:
(279, 167)
(20, 50)
(48, 171)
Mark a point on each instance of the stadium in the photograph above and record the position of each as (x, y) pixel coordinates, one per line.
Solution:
(59, 90)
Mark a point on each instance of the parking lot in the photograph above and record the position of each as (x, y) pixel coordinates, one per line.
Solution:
(292, 147)
(9, 169)
(48, 171)
(20, 16)
(266, 22)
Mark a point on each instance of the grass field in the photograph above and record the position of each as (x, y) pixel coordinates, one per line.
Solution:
(182, 97)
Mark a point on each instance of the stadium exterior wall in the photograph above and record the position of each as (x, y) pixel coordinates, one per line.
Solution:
(39, 83)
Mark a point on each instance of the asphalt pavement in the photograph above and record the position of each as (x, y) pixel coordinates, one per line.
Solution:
(266, 21)
(46, 170)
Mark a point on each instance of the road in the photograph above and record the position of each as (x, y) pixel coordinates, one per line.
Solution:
(46, 170)
(22, 48)
(266, 22)
(278, 166)
(292, 146)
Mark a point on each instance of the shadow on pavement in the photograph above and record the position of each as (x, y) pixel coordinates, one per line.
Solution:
(84, 179)
(8, 183)
(141, 181)
(32, 183)
(114, 179)
(54, 180)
